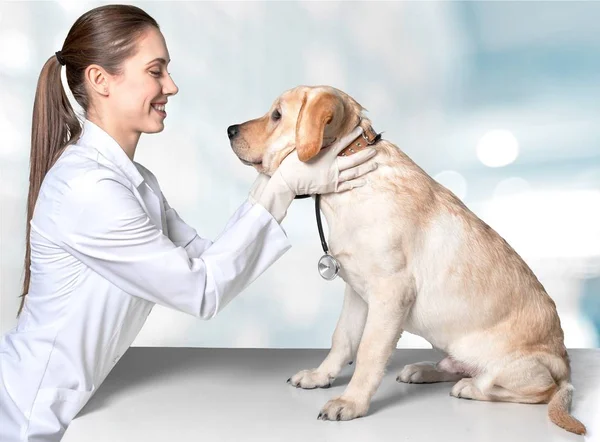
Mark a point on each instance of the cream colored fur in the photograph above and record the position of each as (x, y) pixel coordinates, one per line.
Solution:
(415, 258)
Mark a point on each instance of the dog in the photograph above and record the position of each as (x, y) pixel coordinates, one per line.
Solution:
(415, 258)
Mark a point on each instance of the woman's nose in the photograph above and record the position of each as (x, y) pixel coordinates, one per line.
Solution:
(170, 87)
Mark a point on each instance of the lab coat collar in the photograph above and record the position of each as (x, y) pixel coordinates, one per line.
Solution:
(94, 136)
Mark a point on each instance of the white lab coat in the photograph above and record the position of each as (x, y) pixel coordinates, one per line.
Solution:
(105, 247)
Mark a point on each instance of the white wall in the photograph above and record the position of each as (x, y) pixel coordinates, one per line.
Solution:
(435, 76)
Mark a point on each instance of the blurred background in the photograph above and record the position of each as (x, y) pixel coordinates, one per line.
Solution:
(498, 101)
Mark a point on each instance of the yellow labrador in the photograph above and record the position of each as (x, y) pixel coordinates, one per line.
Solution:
(415, 258)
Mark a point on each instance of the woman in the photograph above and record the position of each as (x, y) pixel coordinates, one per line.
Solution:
(103, 244)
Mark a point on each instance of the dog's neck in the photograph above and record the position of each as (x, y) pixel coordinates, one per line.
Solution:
(364, 140)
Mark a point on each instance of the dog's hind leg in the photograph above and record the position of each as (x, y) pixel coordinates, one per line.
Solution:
(523, 380)
(447, 370)
(529, 380)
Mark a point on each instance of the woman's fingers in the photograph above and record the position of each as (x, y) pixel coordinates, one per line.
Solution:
(357, 171)
(355, 159)
(352, 184)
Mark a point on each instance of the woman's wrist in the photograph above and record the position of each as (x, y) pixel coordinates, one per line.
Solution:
(276, 197)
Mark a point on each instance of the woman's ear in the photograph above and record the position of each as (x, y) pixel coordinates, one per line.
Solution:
(98, 79)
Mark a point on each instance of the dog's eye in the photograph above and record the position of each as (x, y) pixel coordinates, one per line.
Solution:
(276, 115)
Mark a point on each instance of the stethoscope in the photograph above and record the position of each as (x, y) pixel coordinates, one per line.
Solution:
(328, 266)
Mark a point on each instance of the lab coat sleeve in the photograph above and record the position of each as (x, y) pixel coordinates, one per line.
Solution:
(186, 236)
(101, 223)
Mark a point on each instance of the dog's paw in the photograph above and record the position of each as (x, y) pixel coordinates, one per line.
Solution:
(311, 379)
(423, 372)
(464, 389)
(342, 409)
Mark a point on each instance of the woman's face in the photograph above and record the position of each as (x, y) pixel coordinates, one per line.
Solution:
(138, 95)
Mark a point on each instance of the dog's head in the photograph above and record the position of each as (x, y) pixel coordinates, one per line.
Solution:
(305, 119)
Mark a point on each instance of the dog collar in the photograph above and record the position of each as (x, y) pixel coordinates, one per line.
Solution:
(368, 137)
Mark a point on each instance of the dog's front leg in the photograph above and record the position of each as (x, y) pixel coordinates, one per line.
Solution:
(344, 344)
(388, 307)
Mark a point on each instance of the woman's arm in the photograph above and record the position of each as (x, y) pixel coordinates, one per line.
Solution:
(101, 222)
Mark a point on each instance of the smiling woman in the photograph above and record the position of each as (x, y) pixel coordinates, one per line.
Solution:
(137, 93)
(103, 244)
(110, 86)
(140, 90)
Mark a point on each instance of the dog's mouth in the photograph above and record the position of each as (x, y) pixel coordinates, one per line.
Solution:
(251, 163)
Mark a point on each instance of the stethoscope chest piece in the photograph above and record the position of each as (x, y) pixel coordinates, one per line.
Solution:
(329, 267)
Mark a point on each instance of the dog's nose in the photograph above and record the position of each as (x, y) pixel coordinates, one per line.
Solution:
(232, 131)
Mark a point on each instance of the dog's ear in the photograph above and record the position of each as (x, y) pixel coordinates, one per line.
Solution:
(316, 113)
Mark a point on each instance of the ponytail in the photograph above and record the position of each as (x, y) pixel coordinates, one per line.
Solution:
(106, 36)
(54, 126)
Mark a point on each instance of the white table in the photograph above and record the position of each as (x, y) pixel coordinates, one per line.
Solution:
(193, 394)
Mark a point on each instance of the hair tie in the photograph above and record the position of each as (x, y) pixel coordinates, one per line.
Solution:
(60, 58)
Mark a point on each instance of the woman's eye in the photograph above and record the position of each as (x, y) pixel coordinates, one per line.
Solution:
(276, 115)
(155, 73)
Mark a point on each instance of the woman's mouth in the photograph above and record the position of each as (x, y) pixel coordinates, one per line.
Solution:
(159, 108)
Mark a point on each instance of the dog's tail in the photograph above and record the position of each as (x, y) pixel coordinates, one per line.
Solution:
(558, 409)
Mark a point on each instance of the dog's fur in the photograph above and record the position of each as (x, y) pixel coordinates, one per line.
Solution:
(415, 258)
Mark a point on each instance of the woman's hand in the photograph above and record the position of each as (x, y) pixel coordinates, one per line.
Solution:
(325, 173)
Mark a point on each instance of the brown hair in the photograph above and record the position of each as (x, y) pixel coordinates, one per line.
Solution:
(105, 36)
